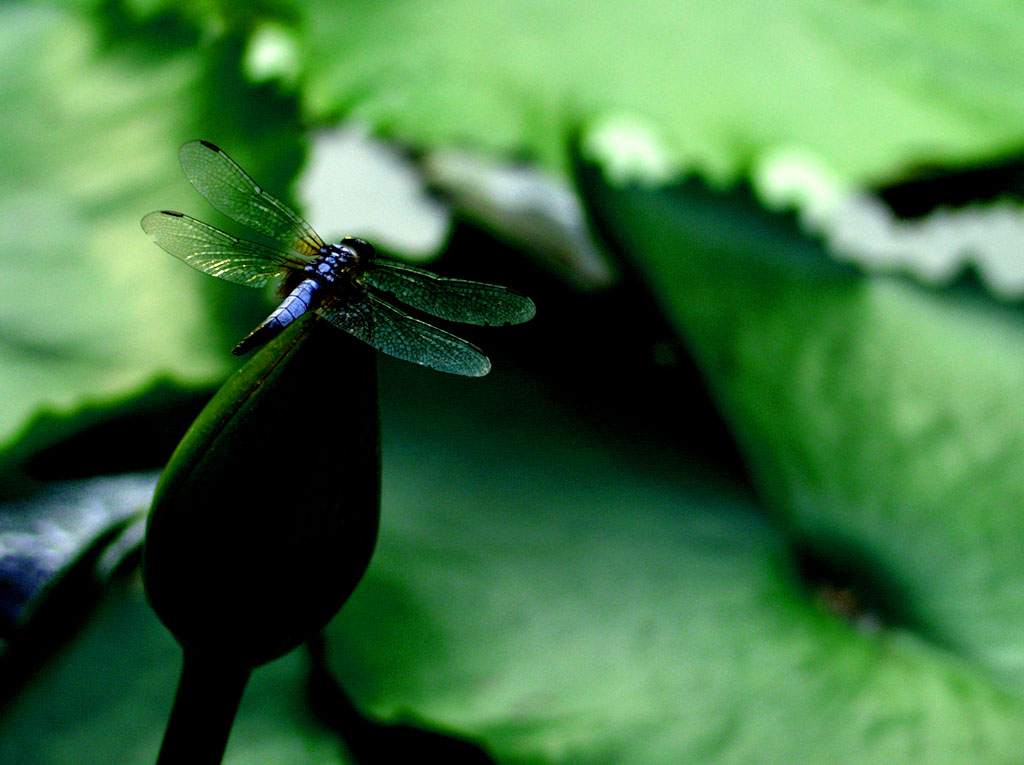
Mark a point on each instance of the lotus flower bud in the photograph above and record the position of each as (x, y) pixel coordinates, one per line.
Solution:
(266, 515)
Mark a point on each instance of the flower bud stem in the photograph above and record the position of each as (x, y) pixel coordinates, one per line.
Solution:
(209, 692)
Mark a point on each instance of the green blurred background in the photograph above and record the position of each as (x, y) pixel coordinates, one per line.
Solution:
(750, 488)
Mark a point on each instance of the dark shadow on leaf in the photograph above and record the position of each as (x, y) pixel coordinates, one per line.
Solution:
(609, 353)
(371, 742)
(133, 434)
(925, 189)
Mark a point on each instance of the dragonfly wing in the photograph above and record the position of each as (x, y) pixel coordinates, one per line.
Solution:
(389, 330)
(450, 299)
(216, 252)
(232, 191)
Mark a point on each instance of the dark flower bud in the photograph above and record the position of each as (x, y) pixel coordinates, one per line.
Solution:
(266, 515)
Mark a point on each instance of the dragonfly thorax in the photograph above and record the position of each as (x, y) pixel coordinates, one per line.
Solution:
(326, 268)
(350, 254)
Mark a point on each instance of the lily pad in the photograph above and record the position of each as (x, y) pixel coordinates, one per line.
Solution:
(556, 588)
(564, 596)
(724, 81)
(96, 109)
(882, 420)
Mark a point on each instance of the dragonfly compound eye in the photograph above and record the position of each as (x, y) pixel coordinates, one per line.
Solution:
(362, 250)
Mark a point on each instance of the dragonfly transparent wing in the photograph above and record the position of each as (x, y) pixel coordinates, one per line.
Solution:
(450, 299)
(389, 330)
(216, 252)
(232, 191)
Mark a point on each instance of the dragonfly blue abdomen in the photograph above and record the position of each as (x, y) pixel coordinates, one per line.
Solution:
(298, 301)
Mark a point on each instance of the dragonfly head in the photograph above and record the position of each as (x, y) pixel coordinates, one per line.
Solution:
(353, 252)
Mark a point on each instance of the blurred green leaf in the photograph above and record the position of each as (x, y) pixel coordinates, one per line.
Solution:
(106, 696)
(556, 588)
(572, 595)
(134, 432)
(96, 110)
(870, 87)
(883, 421)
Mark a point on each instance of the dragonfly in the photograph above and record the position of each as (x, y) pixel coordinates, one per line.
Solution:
(344, 283)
